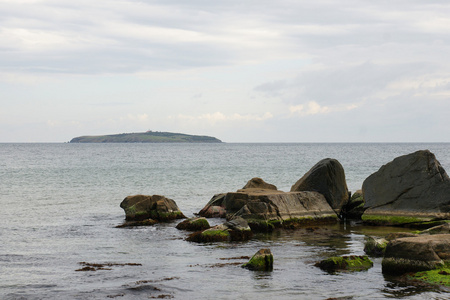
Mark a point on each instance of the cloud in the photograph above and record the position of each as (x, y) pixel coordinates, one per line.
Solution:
(134, 118)
(218, 64)
(218, 117)
(313, 108)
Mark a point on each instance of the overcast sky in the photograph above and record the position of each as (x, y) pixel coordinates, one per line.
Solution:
(242, 71)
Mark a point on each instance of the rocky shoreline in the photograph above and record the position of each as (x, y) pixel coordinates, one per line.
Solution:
(412, 191)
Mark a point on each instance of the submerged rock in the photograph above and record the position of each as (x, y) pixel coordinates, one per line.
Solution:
(233, 230)
(328, 178)
(194, 224)
(440, 229)
(418, 253)
(261, 261)
(411, 188)
(139, 208)
(146, 222)
(345, 263)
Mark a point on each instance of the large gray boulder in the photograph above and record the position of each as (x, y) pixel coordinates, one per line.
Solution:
(411, 185)
(328, 178)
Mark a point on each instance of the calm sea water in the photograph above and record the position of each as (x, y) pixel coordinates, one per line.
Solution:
(60, 205)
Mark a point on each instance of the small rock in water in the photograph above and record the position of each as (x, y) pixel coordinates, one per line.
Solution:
(194, 224)
(345, 263)
(261, 261)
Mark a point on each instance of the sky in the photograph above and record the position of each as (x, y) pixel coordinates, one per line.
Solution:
(241, 71)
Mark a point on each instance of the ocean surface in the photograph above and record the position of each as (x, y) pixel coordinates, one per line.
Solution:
(60, 205)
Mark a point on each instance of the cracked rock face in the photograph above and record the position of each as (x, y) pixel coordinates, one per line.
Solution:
(413, 184)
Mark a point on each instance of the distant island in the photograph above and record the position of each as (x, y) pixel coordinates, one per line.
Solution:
(146, 137)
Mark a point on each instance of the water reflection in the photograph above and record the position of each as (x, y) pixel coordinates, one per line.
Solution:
(263, 280)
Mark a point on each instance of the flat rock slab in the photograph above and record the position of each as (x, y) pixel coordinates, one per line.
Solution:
(414, 254)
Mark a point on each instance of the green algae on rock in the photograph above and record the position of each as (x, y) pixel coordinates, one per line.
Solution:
(438, 276)
(261, 261)
(194, 224)
(375, 247)
(393, 220)
(345, 263)
(236, 229)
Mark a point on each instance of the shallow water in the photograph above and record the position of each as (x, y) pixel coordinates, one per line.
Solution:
(60, 206)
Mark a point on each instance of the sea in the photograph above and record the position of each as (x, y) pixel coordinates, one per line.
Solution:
(59, 208)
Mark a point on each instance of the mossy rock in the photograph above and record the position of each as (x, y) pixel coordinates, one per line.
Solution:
(264, 225)
(209, 236)
(345, 263)
(295, 223)
(261, 261)
(375, 247)
(439, 276)
(402, 221)
(194, 224)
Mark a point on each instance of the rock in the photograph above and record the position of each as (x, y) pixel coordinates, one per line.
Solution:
(261, 261)
(398, 235)
(354, 208)
(258, 183)
(439, 276)
(194, 224)
(440, 229)
(146, 222)
(267, 209)
(156, 207)
(328, 178)
(414, 187)
(375, 247)
(414, 254)
(345, 263)
(233, 230)
(215, 207)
